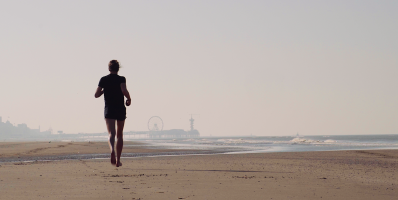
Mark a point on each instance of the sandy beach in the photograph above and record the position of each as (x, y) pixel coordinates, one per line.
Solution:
(370, 174)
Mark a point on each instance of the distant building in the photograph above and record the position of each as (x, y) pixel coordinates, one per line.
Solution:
(21, 132)
(22, 126)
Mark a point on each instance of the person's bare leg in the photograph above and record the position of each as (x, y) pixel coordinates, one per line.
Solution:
(110, 124)
(119, 142)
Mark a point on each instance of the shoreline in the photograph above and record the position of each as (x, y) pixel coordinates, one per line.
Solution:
(132, 149)
(36, 151)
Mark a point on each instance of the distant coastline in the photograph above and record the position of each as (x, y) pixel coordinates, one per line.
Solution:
(11, 132)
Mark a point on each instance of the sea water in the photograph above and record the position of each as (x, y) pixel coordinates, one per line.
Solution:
(278, 143)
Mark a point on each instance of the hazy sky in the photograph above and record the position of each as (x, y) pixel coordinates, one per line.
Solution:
(247, 67)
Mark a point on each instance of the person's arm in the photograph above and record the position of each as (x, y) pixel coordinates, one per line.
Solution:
(126, 93)
(99, 92)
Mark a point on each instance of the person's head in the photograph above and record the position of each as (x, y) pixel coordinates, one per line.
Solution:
(113, 66)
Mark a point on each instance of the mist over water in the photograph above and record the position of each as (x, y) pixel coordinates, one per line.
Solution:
(9, 132)
(280, 144)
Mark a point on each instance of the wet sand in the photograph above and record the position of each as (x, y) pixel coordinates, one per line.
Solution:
(305, 175)
(39, 151)
(43, 149)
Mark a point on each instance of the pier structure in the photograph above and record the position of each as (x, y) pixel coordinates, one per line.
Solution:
(155, 130)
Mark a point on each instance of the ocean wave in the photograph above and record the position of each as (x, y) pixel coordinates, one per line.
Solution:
(274, 142)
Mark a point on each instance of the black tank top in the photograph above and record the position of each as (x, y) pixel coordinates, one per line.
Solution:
(112, 91)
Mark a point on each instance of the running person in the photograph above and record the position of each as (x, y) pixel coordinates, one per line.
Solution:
(114, 89)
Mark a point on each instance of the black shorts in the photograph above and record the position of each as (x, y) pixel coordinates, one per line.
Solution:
(118, 113)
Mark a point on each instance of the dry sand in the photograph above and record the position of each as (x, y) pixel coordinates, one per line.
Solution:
(305, 175)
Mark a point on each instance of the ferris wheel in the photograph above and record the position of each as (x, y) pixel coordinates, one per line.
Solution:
(155, 123)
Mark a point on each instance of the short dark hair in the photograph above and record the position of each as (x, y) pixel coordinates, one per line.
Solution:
(114, 66)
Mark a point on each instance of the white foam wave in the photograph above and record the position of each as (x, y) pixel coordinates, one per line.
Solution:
(263, 142)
